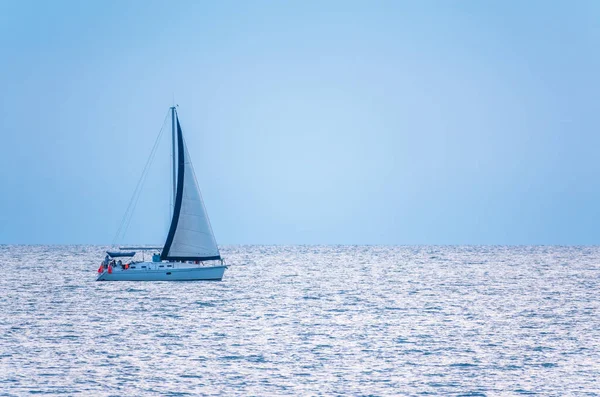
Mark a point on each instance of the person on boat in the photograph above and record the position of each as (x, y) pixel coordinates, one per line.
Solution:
(106, 260)
(119, 263)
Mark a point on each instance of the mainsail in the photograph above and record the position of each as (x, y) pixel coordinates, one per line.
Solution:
(190, 236)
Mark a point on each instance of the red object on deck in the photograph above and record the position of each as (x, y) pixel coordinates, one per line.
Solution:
(100, 268)
(109, 269)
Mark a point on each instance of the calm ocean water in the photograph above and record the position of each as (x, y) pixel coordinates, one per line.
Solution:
(306, 320)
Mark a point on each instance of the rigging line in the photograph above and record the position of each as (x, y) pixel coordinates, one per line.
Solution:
(129, 212)
(138, 187)
(137, 192)
(138, 198)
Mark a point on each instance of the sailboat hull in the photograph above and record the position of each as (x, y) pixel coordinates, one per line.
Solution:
(152, 272)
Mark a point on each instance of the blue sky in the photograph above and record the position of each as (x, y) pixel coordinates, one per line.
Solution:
(337, 122)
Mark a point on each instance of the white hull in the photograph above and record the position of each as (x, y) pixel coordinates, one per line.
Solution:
(163, 271)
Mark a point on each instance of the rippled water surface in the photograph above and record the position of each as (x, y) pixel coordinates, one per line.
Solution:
(304, 320)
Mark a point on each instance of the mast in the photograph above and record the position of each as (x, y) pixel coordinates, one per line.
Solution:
(178, 197)
(173, 154)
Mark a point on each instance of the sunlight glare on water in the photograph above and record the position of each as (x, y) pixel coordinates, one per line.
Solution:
(306, 320)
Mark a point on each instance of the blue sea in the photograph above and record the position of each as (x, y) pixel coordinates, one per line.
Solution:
(306, 321)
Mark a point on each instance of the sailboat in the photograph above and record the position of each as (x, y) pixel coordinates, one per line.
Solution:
(190, 251)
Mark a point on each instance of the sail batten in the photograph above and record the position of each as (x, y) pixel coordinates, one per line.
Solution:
(190, 235)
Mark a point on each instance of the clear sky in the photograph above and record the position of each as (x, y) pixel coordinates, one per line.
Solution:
(309, 122)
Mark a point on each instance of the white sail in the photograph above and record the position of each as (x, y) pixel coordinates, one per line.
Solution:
(191, 236)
